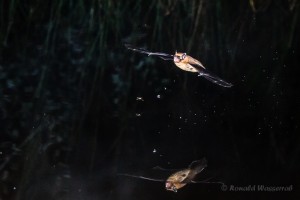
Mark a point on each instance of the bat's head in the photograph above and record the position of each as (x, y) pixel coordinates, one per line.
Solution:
(170, 186)
(178, 57)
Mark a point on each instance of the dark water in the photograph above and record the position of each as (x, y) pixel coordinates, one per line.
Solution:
(77, 107)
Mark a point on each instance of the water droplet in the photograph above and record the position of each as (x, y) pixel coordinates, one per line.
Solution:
(158, 96)
(139, 99)
(154, 151)
(138, 114)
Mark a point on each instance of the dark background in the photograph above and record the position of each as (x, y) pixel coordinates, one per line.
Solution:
(77, 107)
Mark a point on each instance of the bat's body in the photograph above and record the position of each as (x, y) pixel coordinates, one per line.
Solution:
(185, 176)
(180, 178)
(186, 63)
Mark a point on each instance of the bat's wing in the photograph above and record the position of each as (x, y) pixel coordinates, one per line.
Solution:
(141, 177)
(163, 56)
(213, 78)
(198, 165)
(196, 63)
(164, 169)
(208, 182)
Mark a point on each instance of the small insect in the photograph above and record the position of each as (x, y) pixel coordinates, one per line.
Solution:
(180, 178)
(184, 62)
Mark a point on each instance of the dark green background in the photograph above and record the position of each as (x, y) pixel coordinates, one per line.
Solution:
(71, 120)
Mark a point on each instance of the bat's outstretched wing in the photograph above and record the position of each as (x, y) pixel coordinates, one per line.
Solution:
(141, 177)
(198, 165)
(196, 63)
(163, 56)
(165, 169)
(208, 182)
(213, 78)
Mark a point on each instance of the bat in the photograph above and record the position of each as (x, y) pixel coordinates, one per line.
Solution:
(180, 178)
(184, 62)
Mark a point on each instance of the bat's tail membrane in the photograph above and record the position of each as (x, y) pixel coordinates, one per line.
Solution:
(215, 79)
(198, 165)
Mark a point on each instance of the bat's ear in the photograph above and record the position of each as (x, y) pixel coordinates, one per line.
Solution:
(175, 52)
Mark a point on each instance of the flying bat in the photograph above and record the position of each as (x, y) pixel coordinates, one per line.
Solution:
(184, 62)
(180, 178)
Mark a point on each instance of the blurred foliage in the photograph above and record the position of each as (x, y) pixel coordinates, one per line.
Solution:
(66, 79)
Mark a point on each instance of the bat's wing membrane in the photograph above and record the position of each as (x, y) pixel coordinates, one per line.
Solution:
(208, 182)
(163, 56)
(166, 169)
(141, 177)
(198, 165)
(213, 78)
(196, 63)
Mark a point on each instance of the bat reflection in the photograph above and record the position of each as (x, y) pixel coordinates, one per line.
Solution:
(180, 178)
(184, 62)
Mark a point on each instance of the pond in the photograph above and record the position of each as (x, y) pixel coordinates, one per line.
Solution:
(97, 102)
